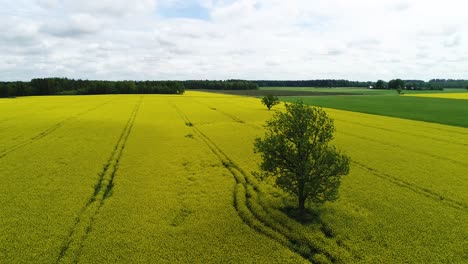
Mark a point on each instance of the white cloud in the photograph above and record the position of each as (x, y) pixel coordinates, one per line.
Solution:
(252, 39)
(74, 26)
(110, 7)
(47, 4)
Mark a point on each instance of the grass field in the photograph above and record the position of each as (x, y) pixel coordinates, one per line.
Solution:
(312, 91)
(93, 179)
(346, 90)
(437, 110)
(359, 91)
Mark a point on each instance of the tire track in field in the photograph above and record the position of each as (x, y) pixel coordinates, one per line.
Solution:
(73, 245)
(413, 187)
(3, 128)
(47, 132)
(254, 213)
(231, 116)
(448, 130)
(281, 221)
(401, 132)
(438, 128)
(409, 150)
(3, 121)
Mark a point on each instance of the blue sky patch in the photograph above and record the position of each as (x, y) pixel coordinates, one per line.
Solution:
(190, 9)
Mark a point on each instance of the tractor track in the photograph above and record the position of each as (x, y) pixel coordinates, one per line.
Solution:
(231, 116)
(413, 187)
(47, 132)
(244, 190)
(255, 213)
(421, 123)
(73, 245)
(402, 132)
(409, 150)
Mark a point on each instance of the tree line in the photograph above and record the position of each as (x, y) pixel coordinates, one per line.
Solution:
(221, 85)
(434, 84)
(420, 85)
(65, 86)
(449, 83)
(312, 83)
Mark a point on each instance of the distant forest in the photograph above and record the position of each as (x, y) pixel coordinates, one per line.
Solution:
(221, 85)
(313, 83)
(417, 84)
(65, 86)
(438, 83)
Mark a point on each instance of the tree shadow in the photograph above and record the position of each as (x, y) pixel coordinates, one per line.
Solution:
(310, 216)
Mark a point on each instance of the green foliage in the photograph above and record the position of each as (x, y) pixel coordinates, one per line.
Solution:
(64, 86)
(436, 87)
(312, 83)
(221, 85)
(380, 84)
(12, 89)
(449, 83)
(270, 100)
(394, 84)
(296, 153)
(398, 89)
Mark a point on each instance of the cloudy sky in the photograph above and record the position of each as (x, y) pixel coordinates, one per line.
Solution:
(221, 39)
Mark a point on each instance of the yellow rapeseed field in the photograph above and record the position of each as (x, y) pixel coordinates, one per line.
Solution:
(168, 178)
(442, 95)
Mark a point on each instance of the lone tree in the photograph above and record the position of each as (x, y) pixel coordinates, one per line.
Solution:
(270, 101)
(296, 153)
(380, 84)
(393, 84)
(398, 89)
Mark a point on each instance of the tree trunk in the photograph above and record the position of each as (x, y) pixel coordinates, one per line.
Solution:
(301, 197)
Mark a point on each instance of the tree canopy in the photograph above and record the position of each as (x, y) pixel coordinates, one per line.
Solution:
(394, 84)
(270, 100)
(380, 84)
(297, 154)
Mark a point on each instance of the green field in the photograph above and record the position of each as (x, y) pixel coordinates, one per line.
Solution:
(168, 179)
(312, 91)
(358, 91)
(348, 90)
(437, 110)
